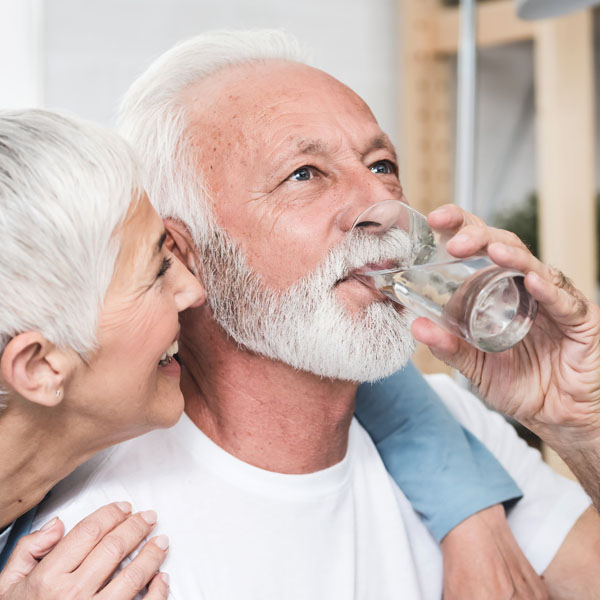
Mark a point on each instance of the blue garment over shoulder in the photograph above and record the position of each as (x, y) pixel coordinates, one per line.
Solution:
(445, 471)
(21, 527)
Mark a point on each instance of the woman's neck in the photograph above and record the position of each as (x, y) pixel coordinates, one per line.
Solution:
(38, 450)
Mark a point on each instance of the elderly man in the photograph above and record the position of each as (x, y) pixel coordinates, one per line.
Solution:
(269, 488)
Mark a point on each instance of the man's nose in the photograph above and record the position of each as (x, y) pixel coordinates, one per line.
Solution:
(360, 197)
(382, 216)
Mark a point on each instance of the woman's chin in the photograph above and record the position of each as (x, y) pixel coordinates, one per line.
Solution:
(169, 404)
(170, 369)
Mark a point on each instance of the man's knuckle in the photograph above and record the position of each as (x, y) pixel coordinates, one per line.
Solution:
(581, 308)
(513, 239)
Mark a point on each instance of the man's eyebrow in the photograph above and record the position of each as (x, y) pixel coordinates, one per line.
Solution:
(382, 142)
(161, 241)
(302, 146)
(311, 146)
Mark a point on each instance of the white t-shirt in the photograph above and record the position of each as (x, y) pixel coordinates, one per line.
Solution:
(241, 533)
(4, 537)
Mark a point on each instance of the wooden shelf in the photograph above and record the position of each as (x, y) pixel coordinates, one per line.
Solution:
(428, 35)
(497, 24)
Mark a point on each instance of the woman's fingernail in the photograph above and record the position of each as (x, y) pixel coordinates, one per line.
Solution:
(51, 523)
(149, 516)
(162, 541)
(165, 577)
(124, 506)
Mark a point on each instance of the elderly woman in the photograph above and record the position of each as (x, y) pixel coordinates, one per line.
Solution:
(88, 327)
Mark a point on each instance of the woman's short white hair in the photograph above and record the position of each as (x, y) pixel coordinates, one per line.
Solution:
(65, 187)
(153, 114)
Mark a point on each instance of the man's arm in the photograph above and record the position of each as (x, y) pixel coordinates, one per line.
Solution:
(552, 516)
(454, 482)
(568, 575)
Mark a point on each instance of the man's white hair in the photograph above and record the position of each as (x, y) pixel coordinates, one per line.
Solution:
(154, 116)
(65, 187)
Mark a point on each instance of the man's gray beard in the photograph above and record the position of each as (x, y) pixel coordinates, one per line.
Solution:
(307, 326)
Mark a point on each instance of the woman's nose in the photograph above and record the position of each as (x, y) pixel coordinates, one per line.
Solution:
(190, 292)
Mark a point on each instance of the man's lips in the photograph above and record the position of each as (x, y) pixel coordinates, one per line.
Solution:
(379, 266)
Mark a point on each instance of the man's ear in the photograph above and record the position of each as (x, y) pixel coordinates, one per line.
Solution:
(179, 242)
(35, 368)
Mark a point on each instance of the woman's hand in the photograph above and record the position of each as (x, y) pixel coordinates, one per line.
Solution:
(44, 565)
(550, 381)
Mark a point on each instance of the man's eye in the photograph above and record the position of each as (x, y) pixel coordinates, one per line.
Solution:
(385, 167)
(302, 174)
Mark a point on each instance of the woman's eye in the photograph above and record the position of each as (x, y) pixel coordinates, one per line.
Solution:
(385, 167)
(302, 174)
(165, 266)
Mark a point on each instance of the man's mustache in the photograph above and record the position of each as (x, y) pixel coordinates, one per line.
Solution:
(358, 250)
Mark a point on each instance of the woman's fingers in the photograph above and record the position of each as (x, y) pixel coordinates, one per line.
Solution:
(28, 551)
(87, 557)
(139, 572)
(83, 538)
(116, 545)
(158, 588)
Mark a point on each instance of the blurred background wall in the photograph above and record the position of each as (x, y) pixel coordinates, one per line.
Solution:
(80, 55)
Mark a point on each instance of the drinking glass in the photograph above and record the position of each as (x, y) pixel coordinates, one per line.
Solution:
(473, 298)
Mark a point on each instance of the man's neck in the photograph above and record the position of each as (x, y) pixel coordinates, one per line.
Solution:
(263, 411)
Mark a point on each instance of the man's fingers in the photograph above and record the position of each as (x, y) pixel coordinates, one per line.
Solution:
(516, 257)
(566, 306)
(139, 572)
(28, 551)
(439, 340)
(451, 217)
(466, 233)
(454, 351)
(79, 542)
(116, 545)
(443, 344)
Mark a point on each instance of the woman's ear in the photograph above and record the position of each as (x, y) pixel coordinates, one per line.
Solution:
(35, 368)
(179, 242)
